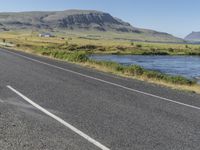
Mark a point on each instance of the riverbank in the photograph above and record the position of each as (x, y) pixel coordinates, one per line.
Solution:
(75, 50)
(187, 66)
(177, 83)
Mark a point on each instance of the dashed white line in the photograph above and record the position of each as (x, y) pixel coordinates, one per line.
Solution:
(77, 131)
(104, 81)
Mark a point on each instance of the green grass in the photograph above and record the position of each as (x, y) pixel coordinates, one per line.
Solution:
(72, 57)
(138, 71)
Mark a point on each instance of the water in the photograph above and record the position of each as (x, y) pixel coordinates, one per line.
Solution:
(187, 66)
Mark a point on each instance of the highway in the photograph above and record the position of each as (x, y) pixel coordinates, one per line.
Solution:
(55, 105)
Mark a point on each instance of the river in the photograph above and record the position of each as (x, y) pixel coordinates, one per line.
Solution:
(187, 66)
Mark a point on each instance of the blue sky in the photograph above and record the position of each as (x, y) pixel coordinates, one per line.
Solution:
(178, 17)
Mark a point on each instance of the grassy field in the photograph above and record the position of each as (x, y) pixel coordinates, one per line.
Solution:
(75, 47)
(103, 44)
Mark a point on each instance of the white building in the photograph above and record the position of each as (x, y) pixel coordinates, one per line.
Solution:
(46, 35)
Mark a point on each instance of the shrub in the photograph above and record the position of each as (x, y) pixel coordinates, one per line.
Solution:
(70, 56)
(72, 47)
(135, 70)
(119, 68)
(154, 74)
(77, 57)
(178, 80)
(121, 48)
(66, 43)
(102, 49)
(109, 64)
(138, 45)
(154, 53)
(152, 49)
(171, 50)
(88, 47)
(169, 78)
(46, 53)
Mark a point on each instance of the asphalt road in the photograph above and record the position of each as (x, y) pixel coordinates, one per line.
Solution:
(48, 104)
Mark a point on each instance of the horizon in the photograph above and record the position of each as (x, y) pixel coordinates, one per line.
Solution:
(174, 22)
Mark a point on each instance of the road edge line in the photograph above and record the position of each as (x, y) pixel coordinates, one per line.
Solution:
(74, 129)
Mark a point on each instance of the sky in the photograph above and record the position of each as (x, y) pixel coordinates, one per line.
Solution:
(177, 17)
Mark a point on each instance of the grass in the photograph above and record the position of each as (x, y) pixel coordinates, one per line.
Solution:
(137, 71)
(74, 48)
(104, 43)
(72, 57)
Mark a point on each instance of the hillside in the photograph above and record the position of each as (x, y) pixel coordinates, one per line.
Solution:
(194, 36)
(76, 20)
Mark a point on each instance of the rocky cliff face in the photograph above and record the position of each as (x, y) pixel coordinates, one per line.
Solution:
(70, 19)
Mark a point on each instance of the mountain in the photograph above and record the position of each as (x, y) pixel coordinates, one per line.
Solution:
(194, 36)
(85, 20)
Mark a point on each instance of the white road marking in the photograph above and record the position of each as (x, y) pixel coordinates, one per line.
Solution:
(104, 81)
(88, 138)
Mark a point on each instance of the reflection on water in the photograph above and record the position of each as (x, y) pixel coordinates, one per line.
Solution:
(188, 66)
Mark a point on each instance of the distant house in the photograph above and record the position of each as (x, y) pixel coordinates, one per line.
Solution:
(46, 35)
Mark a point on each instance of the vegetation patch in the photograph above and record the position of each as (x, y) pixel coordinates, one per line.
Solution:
(138, 71)
(73, 56)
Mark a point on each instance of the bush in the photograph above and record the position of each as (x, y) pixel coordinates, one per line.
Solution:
(77, 57)
(135, 70)
(109, 64)
(72, 47)
(66, 43)
(168, 78)
(179, 80)
(138, 45)
(152, 49)
(88, 47)
(171, 50)
(46, 53)
(154, 74)
(154, 53)
(70, 56)
(121, 48)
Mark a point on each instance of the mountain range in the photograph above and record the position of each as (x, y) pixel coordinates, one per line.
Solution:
(194, 37)
(75, 20)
